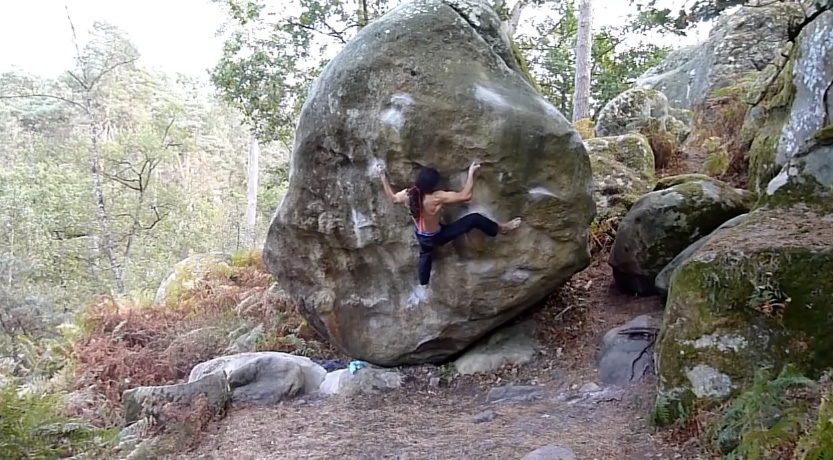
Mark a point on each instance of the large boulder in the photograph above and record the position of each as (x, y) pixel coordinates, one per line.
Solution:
(742, 42)
(432, 82)
(663, 223)
(623, 170)
(758, 295)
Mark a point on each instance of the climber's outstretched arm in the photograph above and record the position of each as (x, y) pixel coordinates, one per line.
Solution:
(400, 197)
(463, 195)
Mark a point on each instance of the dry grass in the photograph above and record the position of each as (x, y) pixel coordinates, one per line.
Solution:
(663, 144)
(716, 139)
(126, 344)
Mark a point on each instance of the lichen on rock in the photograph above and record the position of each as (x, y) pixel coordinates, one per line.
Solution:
(623, 170)
(756, 286)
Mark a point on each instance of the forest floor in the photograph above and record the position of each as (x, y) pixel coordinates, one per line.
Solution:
(423, 422)
(418, 421)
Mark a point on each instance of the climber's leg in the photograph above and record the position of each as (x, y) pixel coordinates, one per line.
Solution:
(425, 259)
(473, 221)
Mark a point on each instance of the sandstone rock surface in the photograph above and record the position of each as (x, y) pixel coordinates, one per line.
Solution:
(432, 82)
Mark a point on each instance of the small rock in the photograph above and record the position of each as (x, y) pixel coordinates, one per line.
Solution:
(434, 382)
(516, 393)
(485, 416)
(513, 345)
(626, 353)
(589, 388)
(550, 453)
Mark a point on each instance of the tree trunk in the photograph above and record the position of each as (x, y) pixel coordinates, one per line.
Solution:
(107, 245)
(251, 192)
(514, 18)
(581, 97)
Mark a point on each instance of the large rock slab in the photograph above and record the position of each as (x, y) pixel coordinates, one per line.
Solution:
(665, 222)
(740, 43)
(431, 82)
(264, 377)
(623, 171)
(812, 80)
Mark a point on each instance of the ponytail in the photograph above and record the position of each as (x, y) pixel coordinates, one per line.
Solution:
(415, 202)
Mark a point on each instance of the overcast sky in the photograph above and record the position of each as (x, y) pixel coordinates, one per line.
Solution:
(172, 35)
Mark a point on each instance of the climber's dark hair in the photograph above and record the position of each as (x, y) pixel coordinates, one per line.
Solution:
(426, 183)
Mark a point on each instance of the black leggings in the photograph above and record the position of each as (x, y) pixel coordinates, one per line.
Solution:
(448, 233)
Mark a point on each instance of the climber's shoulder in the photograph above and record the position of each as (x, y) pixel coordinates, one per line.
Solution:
(401, 196)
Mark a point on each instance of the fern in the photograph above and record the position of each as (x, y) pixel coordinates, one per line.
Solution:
(817, 444)
(31, 428)
(762, 418)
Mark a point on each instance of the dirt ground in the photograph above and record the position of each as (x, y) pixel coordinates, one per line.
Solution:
(420, 422)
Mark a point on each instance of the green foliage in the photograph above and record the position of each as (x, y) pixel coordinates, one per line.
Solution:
(171, 161)
(765, 417)
(817, 443)
(32, 428)
(551, 57)
(652, 17)
(271, 57)
(667, 411)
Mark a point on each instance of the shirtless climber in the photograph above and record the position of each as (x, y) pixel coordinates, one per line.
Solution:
(426, 204)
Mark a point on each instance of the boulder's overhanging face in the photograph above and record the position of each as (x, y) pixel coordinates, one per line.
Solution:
(755, 295)
(663, 223)
(430, 83)
(739, 43)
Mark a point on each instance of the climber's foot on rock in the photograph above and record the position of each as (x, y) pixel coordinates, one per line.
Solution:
(507, 227)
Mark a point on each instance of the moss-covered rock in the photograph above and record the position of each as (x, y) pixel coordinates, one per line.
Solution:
(807, 178)
(751, 297)
(584, 128)
(630, 111)
(664, 278)
(683, 115)
(662, 224)
(677, 128)
(623, 170)
(670, 181)
(774, 92)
